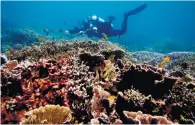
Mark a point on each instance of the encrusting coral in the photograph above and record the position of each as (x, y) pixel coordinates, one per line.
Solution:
(49, 114)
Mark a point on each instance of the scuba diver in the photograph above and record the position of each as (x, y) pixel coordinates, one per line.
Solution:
(97, 27)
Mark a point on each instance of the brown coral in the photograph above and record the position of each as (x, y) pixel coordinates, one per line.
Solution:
(49, 114)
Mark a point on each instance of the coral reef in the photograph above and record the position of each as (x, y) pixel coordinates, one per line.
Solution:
(133, 100)
(18, 39)
(151, 58)
(21, 36)
(180, 103)
(117, 53)
(91, 60)
(140, 118)
(147, 79)
(18, 46)
(93, 83)
(49, 114)
(51, 49)
(179, 61)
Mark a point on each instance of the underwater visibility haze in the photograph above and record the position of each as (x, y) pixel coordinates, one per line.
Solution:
(164, 26)
(97, 62)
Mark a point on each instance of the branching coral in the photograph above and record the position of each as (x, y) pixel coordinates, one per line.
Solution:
(49, 114)
(180, 103)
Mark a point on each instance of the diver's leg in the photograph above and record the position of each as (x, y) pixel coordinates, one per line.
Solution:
(115, 32)
(126, 15)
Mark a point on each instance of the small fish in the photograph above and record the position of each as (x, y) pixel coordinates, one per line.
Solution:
(111, 98)
(105, 36)
(166, 59)
(41, 39)
(161, 65)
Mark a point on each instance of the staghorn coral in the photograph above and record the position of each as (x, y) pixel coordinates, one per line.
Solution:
(49, 114)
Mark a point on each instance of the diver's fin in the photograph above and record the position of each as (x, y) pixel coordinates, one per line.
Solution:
(136, 10)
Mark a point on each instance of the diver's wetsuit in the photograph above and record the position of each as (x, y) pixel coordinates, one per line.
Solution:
(95, 26)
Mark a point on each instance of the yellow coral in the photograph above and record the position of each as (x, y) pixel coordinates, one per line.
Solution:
(108, 72)
(49, 114)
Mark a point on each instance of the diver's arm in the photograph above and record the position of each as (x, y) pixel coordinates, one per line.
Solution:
(75, 31)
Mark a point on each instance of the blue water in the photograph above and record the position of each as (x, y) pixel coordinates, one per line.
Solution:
(162, 26)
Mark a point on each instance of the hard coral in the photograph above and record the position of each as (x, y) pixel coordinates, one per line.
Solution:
(21, 36)
(133, 100)
(49, 114)
(91, 60)
(57, 73)
(147, 79)
(180, 103)
(18, 46)
(118, 53)
(107, 71)
(139, 117)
